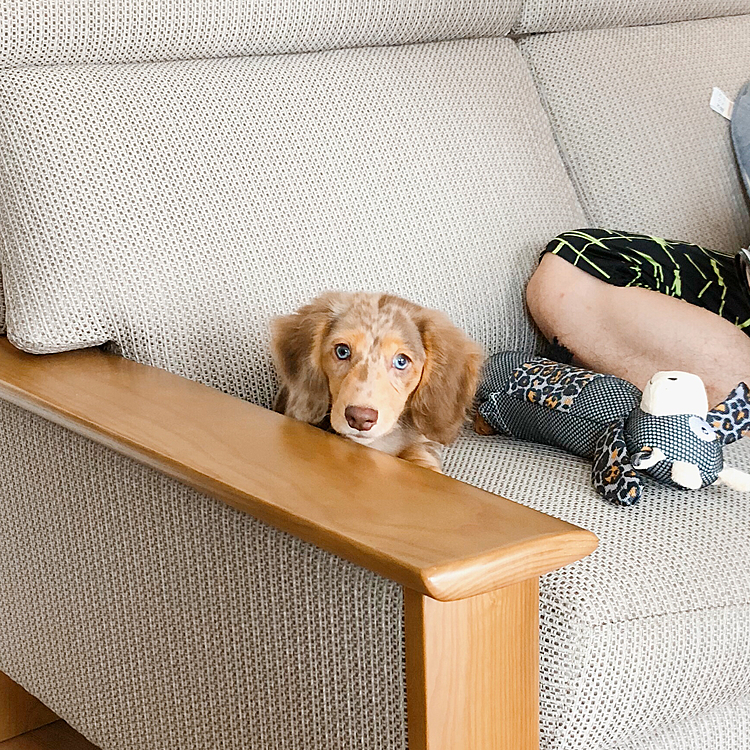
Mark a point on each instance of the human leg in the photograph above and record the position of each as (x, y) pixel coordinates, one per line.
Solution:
(634, 332)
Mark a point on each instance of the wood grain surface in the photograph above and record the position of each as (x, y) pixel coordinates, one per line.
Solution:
(430, 533)
(20, 711)
(472, 670)
(56, 736)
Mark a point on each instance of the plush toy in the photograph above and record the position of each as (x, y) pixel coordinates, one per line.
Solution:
(666, 432)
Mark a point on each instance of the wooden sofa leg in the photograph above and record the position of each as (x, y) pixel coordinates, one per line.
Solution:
(472, 670)
(20, 711)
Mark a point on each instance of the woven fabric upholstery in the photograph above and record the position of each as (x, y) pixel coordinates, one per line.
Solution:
(150, 616)
(724, 728)
(630, 111)
(652, 628)
(127, 595)
(173, 208)
(570, 15)
(44, 32)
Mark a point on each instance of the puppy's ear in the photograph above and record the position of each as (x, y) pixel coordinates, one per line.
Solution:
(449, 379)
(296, 346)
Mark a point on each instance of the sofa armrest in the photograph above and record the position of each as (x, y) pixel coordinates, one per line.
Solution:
(430, 533)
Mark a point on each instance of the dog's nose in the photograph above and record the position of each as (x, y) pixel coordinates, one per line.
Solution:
(360, 417)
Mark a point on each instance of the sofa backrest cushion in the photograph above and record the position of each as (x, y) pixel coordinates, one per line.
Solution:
(630, 110)
(122, 31)
(174, 208)
(67, 31)
(574, 15)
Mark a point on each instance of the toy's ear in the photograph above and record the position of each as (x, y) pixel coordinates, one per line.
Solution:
(731, 418)
(612, 474)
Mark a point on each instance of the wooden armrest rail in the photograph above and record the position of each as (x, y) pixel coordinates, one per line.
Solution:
(430, 533)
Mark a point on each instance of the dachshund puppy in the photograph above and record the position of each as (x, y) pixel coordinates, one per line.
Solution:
(387, 373)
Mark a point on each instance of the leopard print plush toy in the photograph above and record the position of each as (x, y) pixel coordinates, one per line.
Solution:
(665, 432)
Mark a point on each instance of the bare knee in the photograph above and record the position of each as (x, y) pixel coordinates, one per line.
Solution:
(541, 287)
(559, 296)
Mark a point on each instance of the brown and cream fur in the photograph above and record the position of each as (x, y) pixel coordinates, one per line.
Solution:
(409, 412)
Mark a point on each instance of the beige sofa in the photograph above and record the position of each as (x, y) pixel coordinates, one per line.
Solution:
(182, 569)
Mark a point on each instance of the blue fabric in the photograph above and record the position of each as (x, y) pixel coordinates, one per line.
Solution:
(741, 133)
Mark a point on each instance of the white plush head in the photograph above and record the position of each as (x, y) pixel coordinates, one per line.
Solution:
(676, 392)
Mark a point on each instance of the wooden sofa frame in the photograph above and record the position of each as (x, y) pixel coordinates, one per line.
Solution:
(469, 561)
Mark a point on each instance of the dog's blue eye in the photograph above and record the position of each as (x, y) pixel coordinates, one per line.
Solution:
(343, 351)
(401, 361)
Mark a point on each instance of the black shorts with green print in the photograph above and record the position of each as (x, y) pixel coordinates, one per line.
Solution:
(702, 277)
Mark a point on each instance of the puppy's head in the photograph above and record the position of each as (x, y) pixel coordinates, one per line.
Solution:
(371, 359)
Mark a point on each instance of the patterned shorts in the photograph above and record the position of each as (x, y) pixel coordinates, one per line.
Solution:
(702, 277)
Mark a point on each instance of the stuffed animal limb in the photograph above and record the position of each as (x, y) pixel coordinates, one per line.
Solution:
(687, 475)
(645, 459)
(613, 474)
(734, 478)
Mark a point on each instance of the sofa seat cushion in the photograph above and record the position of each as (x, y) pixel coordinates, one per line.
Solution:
(726, 727)
(174, 208)
(653, 627)
(630, 110)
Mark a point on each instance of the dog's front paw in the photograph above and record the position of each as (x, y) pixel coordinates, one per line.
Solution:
(482, 427)
(426, 455)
